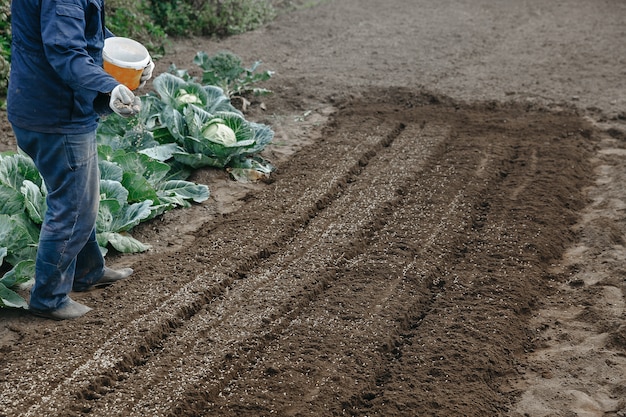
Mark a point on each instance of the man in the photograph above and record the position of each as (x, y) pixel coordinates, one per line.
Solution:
(57, 88)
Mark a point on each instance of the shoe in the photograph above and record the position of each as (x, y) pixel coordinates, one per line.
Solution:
(109, 277)
(70, 310)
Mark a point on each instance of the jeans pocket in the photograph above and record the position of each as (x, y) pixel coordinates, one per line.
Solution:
(80, 149)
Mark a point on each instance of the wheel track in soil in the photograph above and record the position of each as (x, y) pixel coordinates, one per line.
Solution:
(396, 203)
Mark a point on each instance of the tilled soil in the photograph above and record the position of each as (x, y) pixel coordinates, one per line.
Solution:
(391, 263)
(415, 254)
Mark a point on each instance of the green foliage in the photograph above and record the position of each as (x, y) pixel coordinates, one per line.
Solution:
(20, 215)
(225, 70)
(5, 44)
(211, 17)
(230, 17)
(177, 18)
(20, 276)
(132, 19)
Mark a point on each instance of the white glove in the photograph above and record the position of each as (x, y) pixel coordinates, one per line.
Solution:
(124, 102)
(146, 74)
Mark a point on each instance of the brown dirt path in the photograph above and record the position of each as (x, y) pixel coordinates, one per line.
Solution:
(444, 235)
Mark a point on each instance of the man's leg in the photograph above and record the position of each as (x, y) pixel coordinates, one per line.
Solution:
(69, 167)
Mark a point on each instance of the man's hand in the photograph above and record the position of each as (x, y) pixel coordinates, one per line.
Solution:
(124, 102)
(146, 74)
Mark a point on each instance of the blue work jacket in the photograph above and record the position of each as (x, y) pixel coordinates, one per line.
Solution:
(57, 79)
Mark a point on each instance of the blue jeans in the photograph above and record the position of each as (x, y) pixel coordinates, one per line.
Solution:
(68, 255)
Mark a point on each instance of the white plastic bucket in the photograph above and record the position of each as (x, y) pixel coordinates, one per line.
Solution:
(125, 59)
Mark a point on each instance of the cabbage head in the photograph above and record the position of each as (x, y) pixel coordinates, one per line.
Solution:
(184, 97)
(217, 131)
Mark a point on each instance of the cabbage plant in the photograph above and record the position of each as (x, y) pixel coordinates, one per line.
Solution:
(197, 126)
(20, 276)
(22, 204)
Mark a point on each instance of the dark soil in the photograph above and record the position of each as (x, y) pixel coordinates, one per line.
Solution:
(444, 234)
